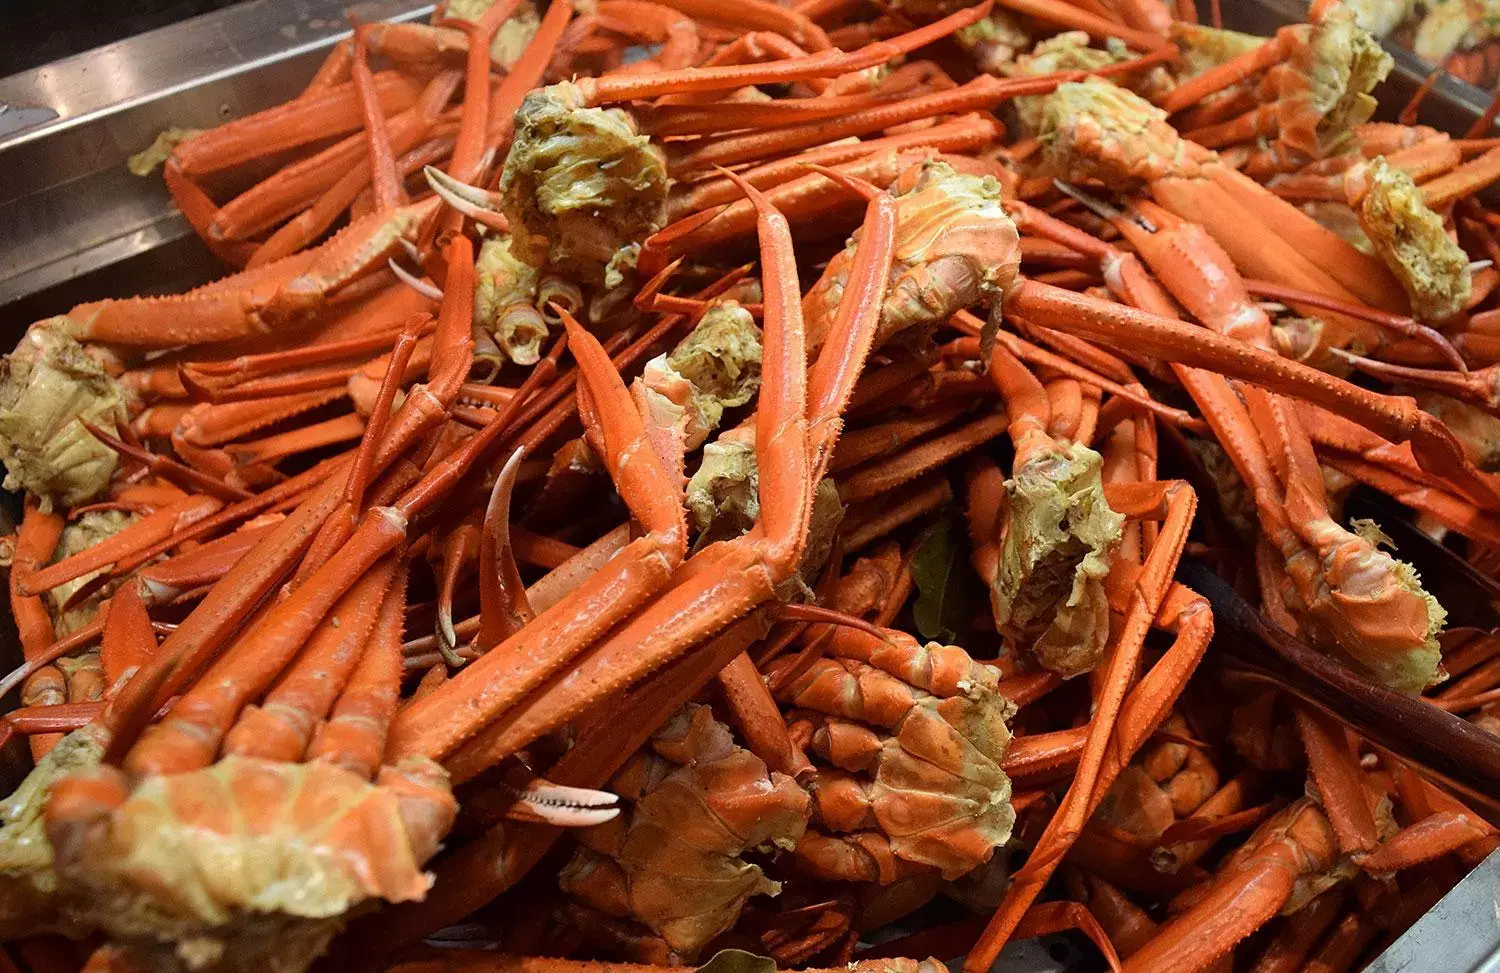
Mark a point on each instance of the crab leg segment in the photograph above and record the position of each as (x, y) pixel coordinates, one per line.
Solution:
(128, 639)
(354, 735)
(222, 314)
(143, 533)
(287, 126)
(280, 728)
(252, 578)
(35, 542)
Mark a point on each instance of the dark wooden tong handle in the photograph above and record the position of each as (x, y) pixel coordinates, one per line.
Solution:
(1449, 749)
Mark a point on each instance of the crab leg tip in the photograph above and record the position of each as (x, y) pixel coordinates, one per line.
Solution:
(460, 195)
(1092, 203)
(861, 187)
(428, 290)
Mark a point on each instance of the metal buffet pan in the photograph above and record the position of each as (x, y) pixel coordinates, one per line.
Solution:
(76, 223)
(77, 226)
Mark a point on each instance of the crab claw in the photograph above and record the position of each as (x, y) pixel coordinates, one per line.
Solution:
(543, 802)
(477, 204)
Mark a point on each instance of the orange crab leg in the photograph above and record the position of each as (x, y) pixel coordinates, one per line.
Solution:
(364, 458)
(1464, 181)
(739, 574)
(204, 564)
(1072, 17)
(1234, 71)
(1053, 917)
(753, 47)
(406, 132)
(757, 15)
(292, 383)
(327, 433)
(280, 728)
(469, 149)
(1402, 324)
(459, 549)
(281, 195)
(333, 71)
(1340, 781)
(960, 134)
(210, 425)
(35, 542)
(1426, 839)
(222, 314)
(525, 75)
(879, 477)
(246, 367)
(1394, 418)
(290, 125)
(1040, 756)
(199, 210)
(128, 639)
(1240, 901)
(823, 64)
(285, 494)
(653, 23)
(1294, 942)
(1481, 386)
(1035, 355)
(872, 442)
(1451, 511)
(148, 530)
(389, 192)
(728, 116)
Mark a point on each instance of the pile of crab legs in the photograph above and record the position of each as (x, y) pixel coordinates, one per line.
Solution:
(296, 684)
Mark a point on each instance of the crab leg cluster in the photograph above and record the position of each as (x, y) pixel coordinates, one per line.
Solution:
(733, 495)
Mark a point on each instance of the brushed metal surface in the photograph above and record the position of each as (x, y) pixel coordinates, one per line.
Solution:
(68, 206)
(1458, 935)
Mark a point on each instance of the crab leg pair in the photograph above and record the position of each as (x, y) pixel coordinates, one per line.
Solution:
(1142, 709)
(284, 293)
(794, 440)
(1105, 132)
(1273, 452)
(1306, 840)
(35, 542)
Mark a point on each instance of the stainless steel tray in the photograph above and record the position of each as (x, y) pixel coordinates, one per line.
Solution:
(70, 211)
